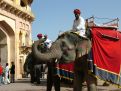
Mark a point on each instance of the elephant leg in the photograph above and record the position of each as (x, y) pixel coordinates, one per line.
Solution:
(32, 77)
(38, 76)
(91, 83)
(49, 84)
(49, 79)
(78, 80)
(52, 79)
(80, 73)
(56, 81)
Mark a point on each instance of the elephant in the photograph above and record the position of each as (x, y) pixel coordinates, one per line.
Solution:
(27, 64)
(32, 68)
(28, 67)
(70, 47)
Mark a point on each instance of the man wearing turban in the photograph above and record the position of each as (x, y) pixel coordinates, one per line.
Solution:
(79, 23)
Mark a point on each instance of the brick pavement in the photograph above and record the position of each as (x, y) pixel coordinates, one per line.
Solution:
(25, 85)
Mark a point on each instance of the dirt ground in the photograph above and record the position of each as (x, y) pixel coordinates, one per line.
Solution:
(25, 85)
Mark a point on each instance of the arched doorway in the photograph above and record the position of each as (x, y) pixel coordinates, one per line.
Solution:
(3, 47)
(7, 43)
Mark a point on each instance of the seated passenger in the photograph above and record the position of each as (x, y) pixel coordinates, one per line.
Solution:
(79, 23)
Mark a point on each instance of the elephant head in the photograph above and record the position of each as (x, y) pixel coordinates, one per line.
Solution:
(65, 48)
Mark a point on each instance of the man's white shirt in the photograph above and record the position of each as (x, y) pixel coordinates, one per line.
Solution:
(79, 25)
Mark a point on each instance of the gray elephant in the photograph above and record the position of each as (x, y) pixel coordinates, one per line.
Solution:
(31, 65)
(68, 47)
(32, 68)
(28, 66)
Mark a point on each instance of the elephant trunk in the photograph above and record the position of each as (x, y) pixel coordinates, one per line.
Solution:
(27, 63)
(53, 53)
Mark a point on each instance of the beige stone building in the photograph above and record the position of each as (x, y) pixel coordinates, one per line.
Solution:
(15, 32)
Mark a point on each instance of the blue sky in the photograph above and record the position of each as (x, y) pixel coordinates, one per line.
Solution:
(52, 16)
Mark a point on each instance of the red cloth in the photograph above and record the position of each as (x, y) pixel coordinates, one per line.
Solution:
(1, 70)
(67, 67)
(65, 70)
(106, 50)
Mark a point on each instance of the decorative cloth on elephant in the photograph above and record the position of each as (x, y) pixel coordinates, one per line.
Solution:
(106, 47)
(1, 69)
(65, 71)
(45, 43)
(41, 47)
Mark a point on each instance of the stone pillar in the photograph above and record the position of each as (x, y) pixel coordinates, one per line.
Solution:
(17, 68)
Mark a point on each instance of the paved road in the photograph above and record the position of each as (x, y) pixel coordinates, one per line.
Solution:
(25, 85)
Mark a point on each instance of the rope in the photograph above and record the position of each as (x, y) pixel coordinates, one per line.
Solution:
(103, 18)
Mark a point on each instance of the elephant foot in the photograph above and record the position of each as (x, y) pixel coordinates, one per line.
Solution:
(106, 84)
(92, 87)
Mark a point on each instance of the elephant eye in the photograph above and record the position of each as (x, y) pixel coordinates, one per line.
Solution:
(63, 44)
